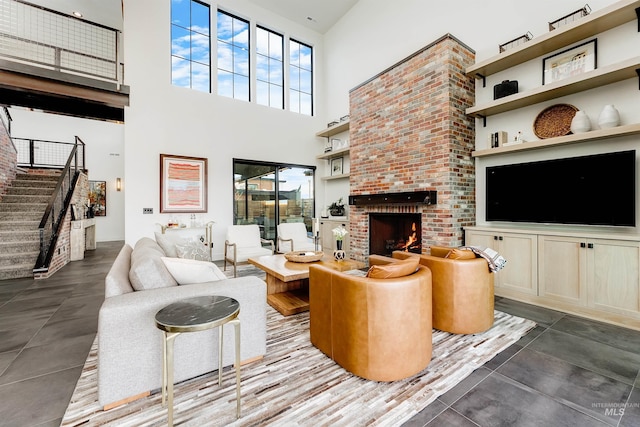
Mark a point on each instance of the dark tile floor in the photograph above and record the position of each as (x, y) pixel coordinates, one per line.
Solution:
(568, 371)
(46, 330)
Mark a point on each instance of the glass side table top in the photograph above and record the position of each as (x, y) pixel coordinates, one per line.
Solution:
(197, 313)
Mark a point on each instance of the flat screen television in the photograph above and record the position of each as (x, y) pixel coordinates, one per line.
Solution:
(597, 189)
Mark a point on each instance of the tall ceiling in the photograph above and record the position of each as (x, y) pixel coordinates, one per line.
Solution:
(323, 13)
(318, 15)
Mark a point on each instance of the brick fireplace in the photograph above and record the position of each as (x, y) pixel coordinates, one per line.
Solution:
(409, 132)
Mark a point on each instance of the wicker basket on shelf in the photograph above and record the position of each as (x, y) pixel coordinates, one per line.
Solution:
(554, 121)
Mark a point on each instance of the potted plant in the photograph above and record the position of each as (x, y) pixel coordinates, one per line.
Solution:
(337, 208)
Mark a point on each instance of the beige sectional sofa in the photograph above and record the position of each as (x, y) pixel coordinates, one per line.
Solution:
(130, 345)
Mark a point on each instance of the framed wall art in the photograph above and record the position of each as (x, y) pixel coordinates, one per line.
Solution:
(183, 184)
(336, 166)
(569, 63)
(98, 197)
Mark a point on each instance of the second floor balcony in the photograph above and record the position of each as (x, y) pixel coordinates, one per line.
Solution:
(59, 63)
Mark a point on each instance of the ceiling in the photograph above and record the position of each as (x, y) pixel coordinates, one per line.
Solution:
(323, 14)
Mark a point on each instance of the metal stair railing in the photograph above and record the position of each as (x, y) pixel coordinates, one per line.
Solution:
(53, 217)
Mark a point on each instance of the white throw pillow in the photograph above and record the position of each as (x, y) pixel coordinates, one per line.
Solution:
(189, 271)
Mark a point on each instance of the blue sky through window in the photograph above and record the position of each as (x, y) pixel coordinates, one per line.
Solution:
(190, 45)
(300, 78)
(233, 56)
(269, 68)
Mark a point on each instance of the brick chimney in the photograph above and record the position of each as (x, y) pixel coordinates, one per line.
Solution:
(409, 132)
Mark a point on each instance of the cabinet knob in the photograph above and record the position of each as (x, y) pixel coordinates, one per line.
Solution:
(590, 246)
(495, 237)
(583, 245)
(500, 238)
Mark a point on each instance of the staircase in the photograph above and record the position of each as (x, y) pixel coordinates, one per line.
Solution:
(21, 210)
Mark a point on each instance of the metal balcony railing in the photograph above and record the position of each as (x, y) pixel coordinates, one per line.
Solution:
(38, 153)
(39, 36)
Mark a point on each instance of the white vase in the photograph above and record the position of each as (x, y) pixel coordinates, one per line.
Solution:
(609, 117)
(580, 122)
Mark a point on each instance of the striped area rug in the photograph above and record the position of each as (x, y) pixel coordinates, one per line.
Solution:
(297, 385)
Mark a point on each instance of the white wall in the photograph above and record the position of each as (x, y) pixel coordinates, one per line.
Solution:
(172, 120)
(104, 156)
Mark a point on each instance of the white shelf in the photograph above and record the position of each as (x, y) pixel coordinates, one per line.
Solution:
(329, 178)
(597, 22)
(333, 154)
(334, 130)
(594, 135)
(602, 76)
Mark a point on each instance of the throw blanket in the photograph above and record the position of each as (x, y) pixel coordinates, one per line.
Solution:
(495, 260)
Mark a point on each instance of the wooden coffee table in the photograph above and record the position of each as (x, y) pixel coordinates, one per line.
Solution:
(288, 282)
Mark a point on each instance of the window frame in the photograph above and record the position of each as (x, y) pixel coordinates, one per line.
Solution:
(233, 63)
(270, 58)
(191, 32)
(311, 71)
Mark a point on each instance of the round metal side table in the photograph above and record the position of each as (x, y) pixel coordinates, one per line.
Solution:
(192, 315)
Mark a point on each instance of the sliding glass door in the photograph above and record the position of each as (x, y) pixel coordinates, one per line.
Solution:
(268, 194)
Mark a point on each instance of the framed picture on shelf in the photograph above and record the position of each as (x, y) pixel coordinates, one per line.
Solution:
(336, 166)
(98, 197)
(571, 62)
(183, 184)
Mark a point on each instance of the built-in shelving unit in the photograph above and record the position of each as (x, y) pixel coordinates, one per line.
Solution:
(336, 129)
(605, 19)
(540, 252)
(599, 77)
(563, 140)
(597, 22)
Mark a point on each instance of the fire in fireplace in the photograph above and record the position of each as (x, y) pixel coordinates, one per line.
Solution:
(395, 232)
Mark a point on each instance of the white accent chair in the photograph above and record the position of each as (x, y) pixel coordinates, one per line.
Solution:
(244, 242)
(292, 236)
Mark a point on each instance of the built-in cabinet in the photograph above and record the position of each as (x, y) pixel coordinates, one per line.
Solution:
(520, 275)
(327, 239)
(600, 21)
(340, 155)
(590, 274)
(602, 274)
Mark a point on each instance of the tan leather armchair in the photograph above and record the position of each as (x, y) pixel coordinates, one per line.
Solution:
(378, 329)
(462, 291)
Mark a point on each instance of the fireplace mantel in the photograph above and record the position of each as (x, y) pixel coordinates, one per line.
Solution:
(429, 197)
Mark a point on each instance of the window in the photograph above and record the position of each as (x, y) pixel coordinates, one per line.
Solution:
(190, 45)
(233, 56)
(269, 68)
(268, 194)
(300, 78)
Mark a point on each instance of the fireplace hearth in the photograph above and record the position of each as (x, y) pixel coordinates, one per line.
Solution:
(394, 232)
